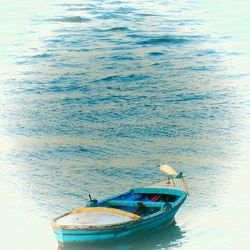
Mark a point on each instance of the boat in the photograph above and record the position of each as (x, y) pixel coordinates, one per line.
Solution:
(143, 208)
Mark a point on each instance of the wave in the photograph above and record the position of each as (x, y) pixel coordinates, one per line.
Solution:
(72, 19)
(147, 14)
(117, 29)
(122, 79)
(163, 40)
(198, 68)
(122, 58)
(156, 53)
(79, 9)
(45, 55)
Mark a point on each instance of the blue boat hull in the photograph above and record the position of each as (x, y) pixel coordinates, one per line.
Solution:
(82, 235)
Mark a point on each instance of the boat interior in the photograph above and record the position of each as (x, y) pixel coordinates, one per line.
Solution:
(142, 202)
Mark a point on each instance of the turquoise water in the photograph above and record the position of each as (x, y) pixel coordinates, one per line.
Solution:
(94, 94)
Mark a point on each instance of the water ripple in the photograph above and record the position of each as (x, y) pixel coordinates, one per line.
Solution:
(164, 40)
(72, 19)
(95, 93)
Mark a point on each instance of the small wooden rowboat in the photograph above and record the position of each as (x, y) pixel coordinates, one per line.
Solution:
(139, 209)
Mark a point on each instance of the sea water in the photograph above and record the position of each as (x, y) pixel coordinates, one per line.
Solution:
(95, 94)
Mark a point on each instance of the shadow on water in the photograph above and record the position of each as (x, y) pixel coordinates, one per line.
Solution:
(163, 238)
